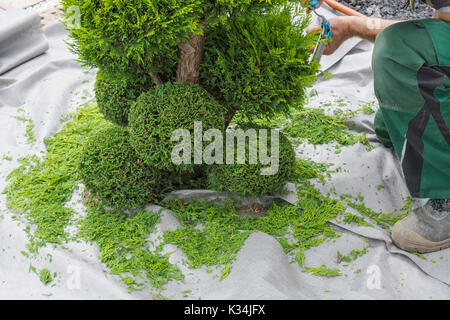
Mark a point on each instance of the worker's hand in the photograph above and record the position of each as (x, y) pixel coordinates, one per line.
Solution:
(340, 27)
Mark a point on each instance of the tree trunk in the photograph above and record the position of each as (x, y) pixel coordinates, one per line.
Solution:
(191, 55)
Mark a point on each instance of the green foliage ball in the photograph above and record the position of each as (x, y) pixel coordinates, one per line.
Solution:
(113, 173)
(259, 62)
(160, 111)
(130, 37)
(246, 179)
(116, 95)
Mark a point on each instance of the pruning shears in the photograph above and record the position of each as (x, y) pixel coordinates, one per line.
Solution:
(326, 33)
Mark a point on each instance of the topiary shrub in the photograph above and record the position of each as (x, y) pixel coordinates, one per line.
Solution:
(206, 61)
(257, 64)
(246, 179)
(112, 172)
(116, 95)
(159, 112)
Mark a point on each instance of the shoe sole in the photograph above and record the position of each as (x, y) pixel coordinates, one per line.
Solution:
(408, 240)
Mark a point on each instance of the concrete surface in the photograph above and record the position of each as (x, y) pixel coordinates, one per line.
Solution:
(50, 14)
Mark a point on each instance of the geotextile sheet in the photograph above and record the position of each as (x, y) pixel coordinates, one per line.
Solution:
(46, 86)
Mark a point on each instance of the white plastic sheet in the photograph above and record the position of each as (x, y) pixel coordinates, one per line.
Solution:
(21, 38)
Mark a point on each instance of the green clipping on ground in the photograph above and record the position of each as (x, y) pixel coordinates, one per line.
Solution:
(40, 188)
(225, 227)
(124, 247)
(352, 256)
(29, 133)
(383, 219)
(323, 271)
(316, 127)
(45, 276)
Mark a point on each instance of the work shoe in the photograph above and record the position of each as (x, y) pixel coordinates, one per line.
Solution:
(426, 229)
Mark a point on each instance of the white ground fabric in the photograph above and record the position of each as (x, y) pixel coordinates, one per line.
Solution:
(21, 38)
(53, 84)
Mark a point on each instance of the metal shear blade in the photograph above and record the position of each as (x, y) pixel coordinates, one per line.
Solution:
(325, 33)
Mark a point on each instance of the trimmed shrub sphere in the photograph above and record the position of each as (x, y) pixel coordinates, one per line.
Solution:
(246, 179)
(115, 95)
(166, 108)
(113, 173)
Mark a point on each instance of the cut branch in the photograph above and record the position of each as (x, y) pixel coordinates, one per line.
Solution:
(229, 115)
(156, 78)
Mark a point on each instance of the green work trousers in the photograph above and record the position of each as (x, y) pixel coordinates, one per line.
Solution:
(411, 65)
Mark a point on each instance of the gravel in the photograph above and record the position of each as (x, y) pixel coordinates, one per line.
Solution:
(390, 9)
(45, 4)
(49, 10)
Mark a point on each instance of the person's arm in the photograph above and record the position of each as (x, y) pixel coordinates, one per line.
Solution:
(367, 28)
(346, 27)
(444, 16)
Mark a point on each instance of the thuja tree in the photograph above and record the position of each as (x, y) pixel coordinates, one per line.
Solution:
(165, 64)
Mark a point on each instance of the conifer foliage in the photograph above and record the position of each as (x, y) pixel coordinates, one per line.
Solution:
(164, 64)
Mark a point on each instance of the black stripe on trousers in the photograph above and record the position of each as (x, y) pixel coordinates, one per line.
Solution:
(428, 79)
